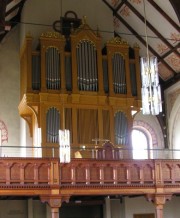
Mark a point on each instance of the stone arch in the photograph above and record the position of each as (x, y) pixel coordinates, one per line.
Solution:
(147, 130)
(174, 122)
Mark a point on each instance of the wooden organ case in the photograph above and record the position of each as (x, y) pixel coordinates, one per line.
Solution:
(89, 90)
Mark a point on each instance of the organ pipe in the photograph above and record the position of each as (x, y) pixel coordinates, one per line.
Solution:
(52, 125)
(119, 75)
(87, 66)
(52, 69)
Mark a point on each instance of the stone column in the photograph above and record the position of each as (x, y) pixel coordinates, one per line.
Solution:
(55, 212)
(107, 208)
(30, 208)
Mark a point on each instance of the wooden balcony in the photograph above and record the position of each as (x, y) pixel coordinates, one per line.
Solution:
(47, 177)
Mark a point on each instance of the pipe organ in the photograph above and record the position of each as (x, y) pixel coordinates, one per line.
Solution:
(85, 90)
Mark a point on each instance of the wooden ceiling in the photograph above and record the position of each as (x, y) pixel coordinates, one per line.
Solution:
(163, 30)
(162, 27)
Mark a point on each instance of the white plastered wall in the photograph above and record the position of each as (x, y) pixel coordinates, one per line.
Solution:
(38, 16)
(139, 205)
(9, 90)
(172, 97)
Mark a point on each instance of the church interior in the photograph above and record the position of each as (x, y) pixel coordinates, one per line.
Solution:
(89, 109)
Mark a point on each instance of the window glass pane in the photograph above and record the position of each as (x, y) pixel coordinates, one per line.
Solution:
(139, 144)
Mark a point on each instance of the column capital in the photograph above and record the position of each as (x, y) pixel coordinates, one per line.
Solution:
(158, 199)
(54, 201)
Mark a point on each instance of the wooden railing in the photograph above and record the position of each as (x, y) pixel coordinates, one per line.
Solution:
(29, 171)
(46, 174)
(120, 172)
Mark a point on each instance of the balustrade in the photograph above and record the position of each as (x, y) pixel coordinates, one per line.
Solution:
(45, 171)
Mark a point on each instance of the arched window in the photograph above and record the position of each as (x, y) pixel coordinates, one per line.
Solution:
(141, 144)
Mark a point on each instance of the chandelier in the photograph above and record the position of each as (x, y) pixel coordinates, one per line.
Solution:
(150, 91)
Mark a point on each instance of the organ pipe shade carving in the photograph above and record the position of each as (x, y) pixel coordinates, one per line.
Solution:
(53, 81)
(121, 128)
(36, 72)
(52, 125)
(119, 74)
(87, 66)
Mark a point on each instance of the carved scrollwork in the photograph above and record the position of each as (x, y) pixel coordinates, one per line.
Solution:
(159, 199)
(117, 41)
(53, 35)
(54, 201)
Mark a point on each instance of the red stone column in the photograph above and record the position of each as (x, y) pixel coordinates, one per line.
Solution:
(159, 201)
(55, 203)
(55, 212)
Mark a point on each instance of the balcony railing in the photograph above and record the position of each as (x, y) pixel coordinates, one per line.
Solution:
(49, 172)
(90, 152)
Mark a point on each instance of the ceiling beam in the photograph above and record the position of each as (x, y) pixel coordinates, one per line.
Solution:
(138, 37)
(13, 8)
(120, 5)
(156, 6)
(108, 5)
(150, 26)
(176, 6)
(16, 19)
(2, 13)
(144, 42)
(171, 51)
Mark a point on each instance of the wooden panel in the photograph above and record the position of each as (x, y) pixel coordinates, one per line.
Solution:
(65, 174)
(29, 172)
(15, 172)
(135, 173)
(147, 172)
(94, 173)
(122, 173)
(2, 173)
(108, 174)
(81, 174)
(43, 173)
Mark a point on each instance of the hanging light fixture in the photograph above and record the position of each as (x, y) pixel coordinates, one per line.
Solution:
(64, 142)
(150, 91)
